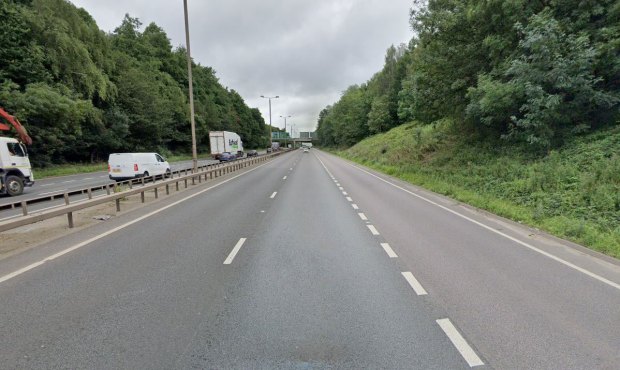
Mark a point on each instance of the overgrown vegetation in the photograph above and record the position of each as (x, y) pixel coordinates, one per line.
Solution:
(573, 192)
(515, 106)
(535, 73)
(83, 93)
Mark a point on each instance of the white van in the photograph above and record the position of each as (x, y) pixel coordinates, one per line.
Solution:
(124, 166)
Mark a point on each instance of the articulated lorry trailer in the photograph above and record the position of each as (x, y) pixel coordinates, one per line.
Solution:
(225, 141)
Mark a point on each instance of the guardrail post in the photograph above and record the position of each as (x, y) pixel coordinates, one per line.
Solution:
(142, 180)
(107, 189)
(185, 183)
(167, 189)
(177, 185)
(24, 208)
(156, 194)
(90, 193)
(118, 204)
(142, 196)
(69, 214)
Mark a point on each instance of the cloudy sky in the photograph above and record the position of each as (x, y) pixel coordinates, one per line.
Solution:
(305, 51)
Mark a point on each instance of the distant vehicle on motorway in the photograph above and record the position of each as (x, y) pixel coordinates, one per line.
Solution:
(306, 150)
(227, 156)
(269, 150)
(252, 153)
(225, 141)
(125, 166)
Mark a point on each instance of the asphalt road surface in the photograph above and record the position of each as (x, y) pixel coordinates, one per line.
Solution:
(308, 262)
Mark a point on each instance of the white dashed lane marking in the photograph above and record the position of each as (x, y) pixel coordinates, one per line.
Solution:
(415, 284)
(234, 252)
(389, 250)
(460, 343)
(373, 229)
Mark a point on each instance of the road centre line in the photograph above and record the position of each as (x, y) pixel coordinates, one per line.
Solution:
(48, 193)
(273, 195)
(349, 199)
(415, 284)
(390, 252)
(355, 206)
(341, 188)
(88, 178)
(284, 178)
(44, 185)
(64, 182)
(345, 193)
(234, 252)
(363, 216)
(123, 226)
(527, 245)
(373, 230)
(460, 343)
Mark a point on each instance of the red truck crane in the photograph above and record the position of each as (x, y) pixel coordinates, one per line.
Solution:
(15, 169)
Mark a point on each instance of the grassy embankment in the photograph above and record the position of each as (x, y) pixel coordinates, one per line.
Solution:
(573, 192)
(76, 168)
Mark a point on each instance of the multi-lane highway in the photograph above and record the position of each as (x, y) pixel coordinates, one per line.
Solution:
(309, 262)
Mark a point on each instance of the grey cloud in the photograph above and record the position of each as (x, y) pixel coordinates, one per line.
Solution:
(307, 52)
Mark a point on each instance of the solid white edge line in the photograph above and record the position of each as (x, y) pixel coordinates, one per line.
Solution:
(355, 206)
(522, 243)
(390, 252)
(273, 195)
(234, 252)
(111, 231)
(460, 343)
(362, 216)
(414, 283)
(373, 230)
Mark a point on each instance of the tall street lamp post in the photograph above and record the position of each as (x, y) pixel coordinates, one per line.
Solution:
(270, 97)
(191, 91)
(285, 117)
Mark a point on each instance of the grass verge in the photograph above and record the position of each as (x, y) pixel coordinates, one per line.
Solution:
(573, 193)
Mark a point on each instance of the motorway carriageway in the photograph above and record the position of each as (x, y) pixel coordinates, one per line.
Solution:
(311, 262)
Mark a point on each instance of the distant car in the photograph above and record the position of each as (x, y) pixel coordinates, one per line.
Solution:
(268, 150)
(227, 156)
(252, 153)
(306, 150)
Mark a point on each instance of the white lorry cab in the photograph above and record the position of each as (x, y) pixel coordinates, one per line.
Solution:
(125, 166)
(15, 170)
